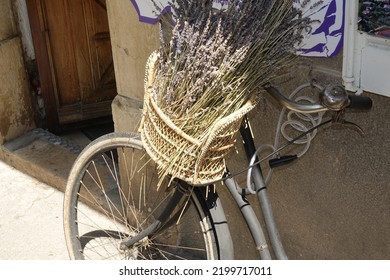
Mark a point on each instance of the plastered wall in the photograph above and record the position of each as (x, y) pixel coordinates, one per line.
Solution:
(132, 43)
(15, 104)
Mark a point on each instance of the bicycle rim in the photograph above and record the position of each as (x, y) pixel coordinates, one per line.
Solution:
(112, 195)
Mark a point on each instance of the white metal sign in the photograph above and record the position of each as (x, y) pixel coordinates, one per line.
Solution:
(326, 36)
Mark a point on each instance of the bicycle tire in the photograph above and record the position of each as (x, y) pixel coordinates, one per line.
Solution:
(103, 204)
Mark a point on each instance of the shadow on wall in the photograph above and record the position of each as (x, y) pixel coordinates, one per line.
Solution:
(334, 202)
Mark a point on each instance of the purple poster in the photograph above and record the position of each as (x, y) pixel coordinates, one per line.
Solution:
(326, 34)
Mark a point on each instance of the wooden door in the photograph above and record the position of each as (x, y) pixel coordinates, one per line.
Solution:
(73, 52)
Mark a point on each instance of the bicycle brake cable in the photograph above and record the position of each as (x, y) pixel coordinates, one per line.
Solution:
(231, 175)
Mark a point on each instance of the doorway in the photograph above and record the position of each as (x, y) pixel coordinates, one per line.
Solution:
(74, 58)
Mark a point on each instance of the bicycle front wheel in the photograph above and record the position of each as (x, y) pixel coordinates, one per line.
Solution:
(112, 195)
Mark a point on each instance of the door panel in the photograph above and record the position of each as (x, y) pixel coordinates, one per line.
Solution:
(78, 52)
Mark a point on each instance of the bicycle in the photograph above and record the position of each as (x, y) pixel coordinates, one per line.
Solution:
(113, 208)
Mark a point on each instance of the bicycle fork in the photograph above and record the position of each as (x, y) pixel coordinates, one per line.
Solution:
(159, 223)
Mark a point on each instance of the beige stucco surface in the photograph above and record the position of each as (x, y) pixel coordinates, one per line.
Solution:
(15, 104)
(132, 43)
(7, 26)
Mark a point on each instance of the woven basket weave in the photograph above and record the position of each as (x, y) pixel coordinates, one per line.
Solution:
(180, 155)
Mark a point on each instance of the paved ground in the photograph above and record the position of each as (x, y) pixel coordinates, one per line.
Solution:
(30, 218)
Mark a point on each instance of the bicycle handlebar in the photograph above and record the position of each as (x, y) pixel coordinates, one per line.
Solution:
(333, 98)
(360, 102)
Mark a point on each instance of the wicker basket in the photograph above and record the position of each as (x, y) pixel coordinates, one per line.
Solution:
(180, 155)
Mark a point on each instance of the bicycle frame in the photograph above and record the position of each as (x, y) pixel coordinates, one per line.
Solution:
(247, 211)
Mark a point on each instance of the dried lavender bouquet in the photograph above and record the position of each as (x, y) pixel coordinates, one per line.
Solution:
(215, 59)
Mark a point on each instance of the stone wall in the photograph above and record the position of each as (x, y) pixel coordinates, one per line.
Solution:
(15, 104)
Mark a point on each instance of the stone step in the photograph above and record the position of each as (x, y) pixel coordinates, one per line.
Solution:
(42, 155)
